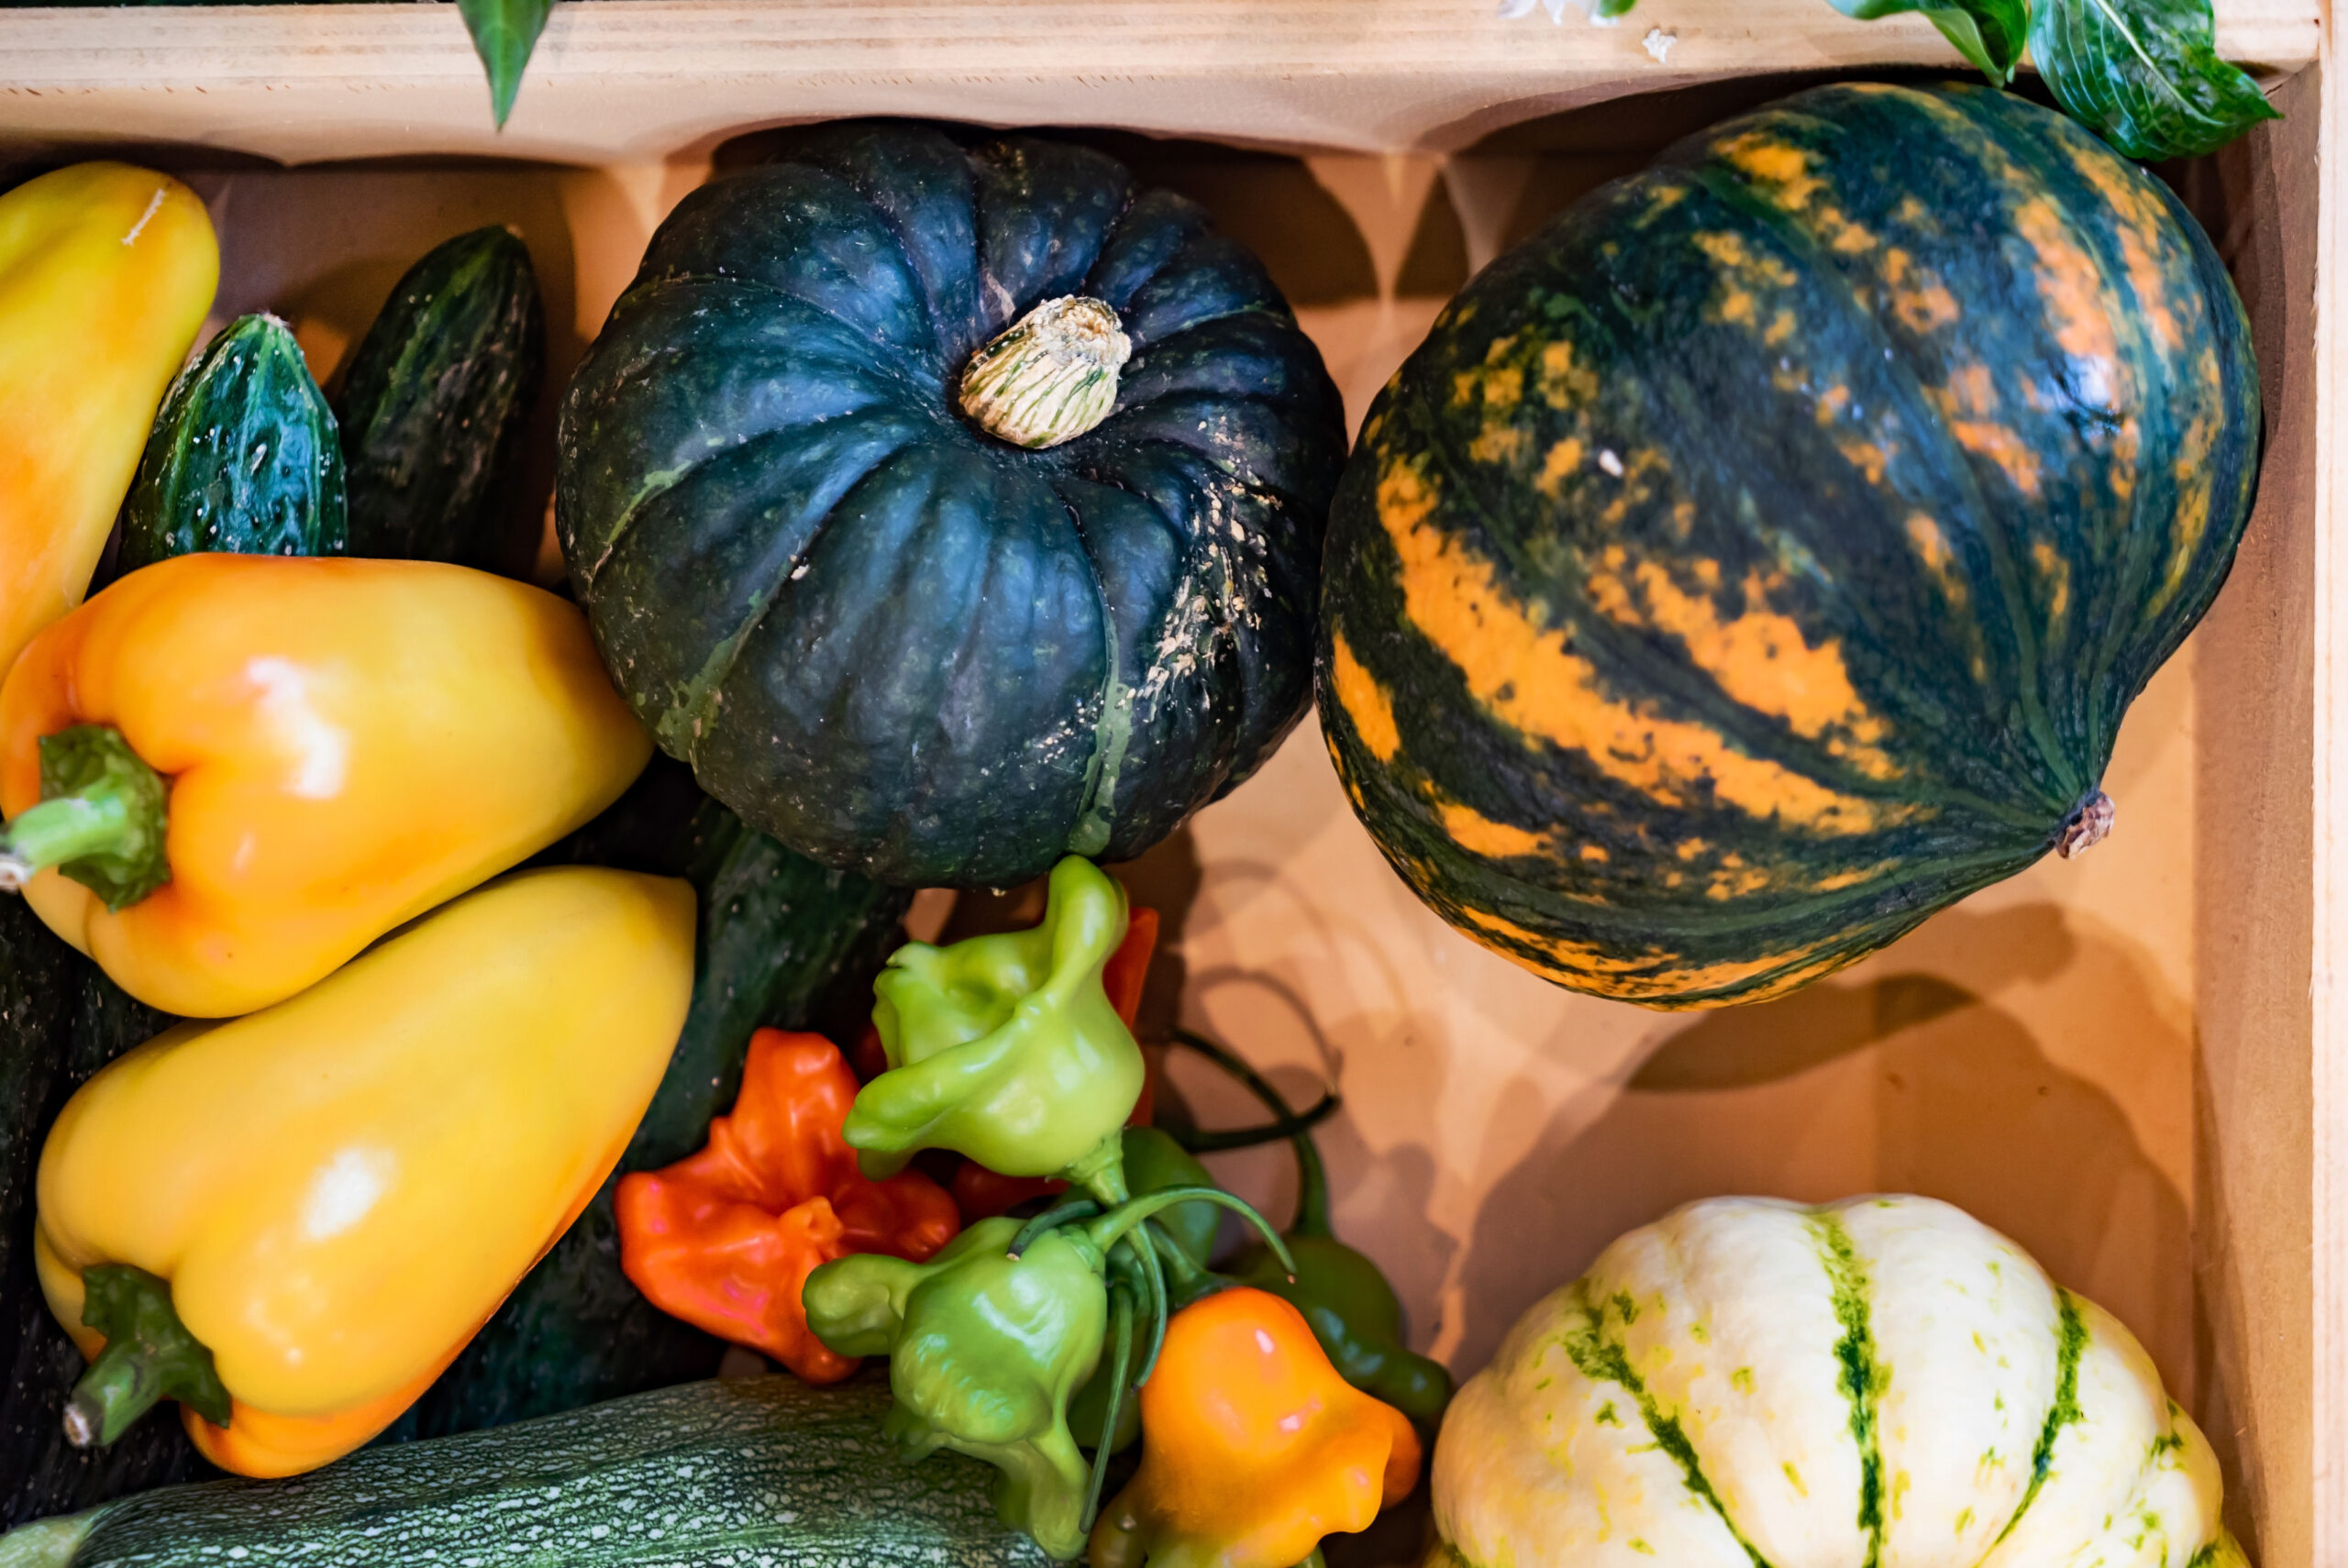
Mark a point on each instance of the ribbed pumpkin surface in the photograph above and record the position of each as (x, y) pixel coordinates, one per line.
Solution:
(898, 644)
(1763, 555)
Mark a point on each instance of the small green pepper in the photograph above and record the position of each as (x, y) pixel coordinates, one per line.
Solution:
(1351, 1308)
(1005, 1048)
(985, 1351)
(990, 1340)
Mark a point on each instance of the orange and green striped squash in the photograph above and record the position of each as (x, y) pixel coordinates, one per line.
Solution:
(1762, 556)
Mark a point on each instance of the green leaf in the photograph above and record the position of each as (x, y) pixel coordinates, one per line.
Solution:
(2144, 74)
(1989, 33)
(504, 32)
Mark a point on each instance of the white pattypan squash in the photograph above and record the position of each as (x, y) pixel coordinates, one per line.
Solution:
(1880, 1383)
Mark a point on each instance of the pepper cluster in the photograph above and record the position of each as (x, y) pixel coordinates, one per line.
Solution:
(1026, 1342)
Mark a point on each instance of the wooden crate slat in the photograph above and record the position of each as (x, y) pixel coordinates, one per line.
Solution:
(638, 79)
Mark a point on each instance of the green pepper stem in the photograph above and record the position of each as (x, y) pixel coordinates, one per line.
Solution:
(1188, 1280)
(1315, 1560)
(60, 830)
(1066, 1211)
(1218, 1140)
(1312, 1175)
(1121, 1362)
(1143, 1245)
(1102, 1172)
(1110, 1228)
(100, 820)
(150, 1355)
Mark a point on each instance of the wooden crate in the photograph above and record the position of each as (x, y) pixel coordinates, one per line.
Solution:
(2131, 1063)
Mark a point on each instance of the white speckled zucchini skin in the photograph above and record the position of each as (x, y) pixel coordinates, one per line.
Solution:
(763, 1472)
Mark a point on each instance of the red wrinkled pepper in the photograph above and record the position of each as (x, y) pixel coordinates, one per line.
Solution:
(982, 1194)
(726, 1238)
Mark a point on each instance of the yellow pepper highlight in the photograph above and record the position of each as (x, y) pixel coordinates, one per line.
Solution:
(340, 1190)
(1252, 1448)
(349, 743)
(105, 274)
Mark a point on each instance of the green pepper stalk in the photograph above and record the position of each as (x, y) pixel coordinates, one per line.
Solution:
(150, 1355)
(1351, 1307)
(989, 1341)
(1005, 1048)
(101, 819)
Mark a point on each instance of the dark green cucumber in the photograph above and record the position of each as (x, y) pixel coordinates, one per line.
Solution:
(243, 457)
(434, 403)
(60, 1020)
(782, 941)
(761, 1471)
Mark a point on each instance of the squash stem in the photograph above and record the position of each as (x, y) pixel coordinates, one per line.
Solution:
(150, 1355)
(100, 820)
(1050, 375)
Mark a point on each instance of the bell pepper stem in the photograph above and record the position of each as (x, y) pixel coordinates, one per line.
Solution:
(150, 1355)
(100, 820)
(1315, 1560)
(1312, 1175)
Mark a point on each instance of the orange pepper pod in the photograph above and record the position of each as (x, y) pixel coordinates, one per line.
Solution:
(329, 749)
(726, 1238)
(1252, 1448)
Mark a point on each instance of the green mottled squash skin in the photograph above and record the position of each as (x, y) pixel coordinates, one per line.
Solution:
(436, 401)
(1763, 555)
(781, 942)
(244, 458)
(705, 1475)
(899, 644)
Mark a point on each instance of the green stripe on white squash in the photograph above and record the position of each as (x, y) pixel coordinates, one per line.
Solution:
(1755, 1383)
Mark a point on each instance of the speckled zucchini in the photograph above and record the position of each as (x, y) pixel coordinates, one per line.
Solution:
(762, 1471)
(243, 457)
(434, 401)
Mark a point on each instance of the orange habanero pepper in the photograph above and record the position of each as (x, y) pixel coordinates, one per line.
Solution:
(726, 1238)
(1252, 1448)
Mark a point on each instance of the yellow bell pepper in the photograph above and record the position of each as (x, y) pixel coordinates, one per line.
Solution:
(338, 1192)
(105, 273)
(346, 743)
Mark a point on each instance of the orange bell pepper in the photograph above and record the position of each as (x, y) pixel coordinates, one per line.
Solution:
(726, 1238)
(982, 1194)
(232, 773)
(1252, 1448)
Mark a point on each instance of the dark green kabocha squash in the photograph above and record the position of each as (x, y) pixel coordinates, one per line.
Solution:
(951, 508)
(1762, 556)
